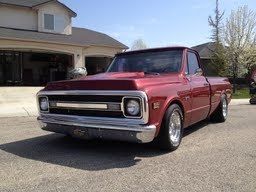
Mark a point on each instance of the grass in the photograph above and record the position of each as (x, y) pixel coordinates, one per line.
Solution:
(242, 93)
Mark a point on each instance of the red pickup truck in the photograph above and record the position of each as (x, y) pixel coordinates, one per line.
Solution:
(145, 95)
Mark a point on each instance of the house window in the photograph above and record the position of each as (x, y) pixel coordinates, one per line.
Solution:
(49, 21)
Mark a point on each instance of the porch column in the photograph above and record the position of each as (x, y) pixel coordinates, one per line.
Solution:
(79, 59)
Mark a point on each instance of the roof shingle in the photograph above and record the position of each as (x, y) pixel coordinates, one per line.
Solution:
(25, 3)
(80, 37)
(205, 50)
(34, 3)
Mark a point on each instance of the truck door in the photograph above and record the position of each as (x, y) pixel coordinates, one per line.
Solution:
(200, 89)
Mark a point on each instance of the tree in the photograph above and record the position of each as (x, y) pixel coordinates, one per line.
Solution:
(239, 36)
(138, 44)
(216, 24)
(248, 59)
(218, 53)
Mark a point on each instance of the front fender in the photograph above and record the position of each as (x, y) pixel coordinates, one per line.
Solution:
(164, 96)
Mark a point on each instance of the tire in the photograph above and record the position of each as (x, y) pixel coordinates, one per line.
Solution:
(221, 113)
(253, 101)
(171, 132)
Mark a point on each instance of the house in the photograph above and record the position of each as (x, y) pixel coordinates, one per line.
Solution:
(38, 43)
(206, 52)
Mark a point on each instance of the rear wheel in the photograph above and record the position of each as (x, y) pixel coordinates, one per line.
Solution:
(221, 113)
(171, 132)
(253, 100)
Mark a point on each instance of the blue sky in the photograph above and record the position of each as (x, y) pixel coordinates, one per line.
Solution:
(158, 23)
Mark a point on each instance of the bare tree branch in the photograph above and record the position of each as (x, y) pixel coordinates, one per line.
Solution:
(138, 44)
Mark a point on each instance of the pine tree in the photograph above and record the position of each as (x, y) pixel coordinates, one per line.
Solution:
(218, 59)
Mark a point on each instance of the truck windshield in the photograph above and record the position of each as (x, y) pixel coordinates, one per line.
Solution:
(148, 62)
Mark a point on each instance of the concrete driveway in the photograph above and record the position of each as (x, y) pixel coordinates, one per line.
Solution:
(212, 157)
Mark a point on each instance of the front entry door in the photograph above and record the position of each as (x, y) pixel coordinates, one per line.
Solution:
(2, 70)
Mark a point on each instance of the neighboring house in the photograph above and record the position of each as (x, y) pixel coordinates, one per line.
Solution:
(206, 51)
(38, 43)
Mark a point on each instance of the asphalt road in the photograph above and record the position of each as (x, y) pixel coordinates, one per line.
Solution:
(212, 157)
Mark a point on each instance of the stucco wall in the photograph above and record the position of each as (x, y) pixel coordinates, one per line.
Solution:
(21, 18)
(62, 18)
(101, 51)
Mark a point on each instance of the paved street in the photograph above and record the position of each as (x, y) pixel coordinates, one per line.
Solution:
(212, 157)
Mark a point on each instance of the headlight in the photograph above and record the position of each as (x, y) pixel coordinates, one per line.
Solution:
(133, 107)
(43, 104)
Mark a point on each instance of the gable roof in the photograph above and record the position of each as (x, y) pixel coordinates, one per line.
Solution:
(205, 50)
(34, 3)
(80, 37)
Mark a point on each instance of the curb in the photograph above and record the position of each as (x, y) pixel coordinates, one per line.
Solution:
(239, 102)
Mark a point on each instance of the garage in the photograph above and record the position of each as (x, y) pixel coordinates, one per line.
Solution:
(95, 65)
(33, 68)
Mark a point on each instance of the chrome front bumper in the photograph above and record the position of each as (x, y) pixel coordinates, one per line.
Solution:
(90, 128)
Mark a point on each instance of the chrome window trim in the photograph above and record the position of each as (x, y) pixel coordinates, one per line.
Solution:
(140, 94)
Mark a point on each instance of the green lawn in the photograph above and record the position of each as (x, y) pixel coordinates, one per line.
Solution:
(241, 94)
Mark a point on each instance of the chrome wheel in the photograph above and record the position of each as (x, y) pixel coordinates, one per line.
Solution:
(224, 108)
(175, 126)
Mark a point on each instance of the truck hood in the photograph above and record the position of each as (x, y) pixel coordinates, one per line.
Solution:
(114, 81)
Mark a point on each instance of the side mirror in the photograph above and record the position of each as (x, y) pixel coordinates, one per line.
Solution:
(199, 72)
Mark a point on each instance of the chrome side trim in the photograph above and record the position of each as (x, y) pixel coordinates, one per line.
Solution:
(140, 94)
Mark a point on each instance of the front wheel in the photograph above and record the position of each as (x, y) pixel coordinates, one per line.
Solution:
(171, 132)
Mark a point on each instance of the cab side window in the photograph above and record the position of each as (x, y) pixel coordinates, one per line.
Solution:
(193, 64)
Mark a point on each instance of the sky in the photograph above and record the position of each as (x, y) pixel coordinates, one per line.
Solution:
(157, 22)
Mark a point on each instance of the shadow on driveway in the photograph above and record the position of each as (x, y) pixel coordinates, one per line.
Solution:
(86, 155)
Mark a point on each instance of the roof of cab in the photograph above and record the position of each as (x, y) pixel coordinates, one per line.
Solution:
(154, 50)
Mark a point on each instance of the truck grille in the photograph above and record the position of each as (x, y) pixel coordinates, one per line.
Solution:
(89, 113)
(86, 105)
(86, 98)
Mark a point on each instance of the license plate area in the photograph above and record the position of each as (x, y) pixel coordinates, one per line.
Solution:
(80, 133)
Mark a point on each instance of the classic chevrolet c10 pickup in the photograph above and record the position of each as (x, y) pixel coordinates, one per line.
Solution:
(144, 96)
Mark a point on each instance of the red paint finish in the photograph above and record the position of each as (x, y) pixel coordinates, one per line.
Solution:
(198, 96)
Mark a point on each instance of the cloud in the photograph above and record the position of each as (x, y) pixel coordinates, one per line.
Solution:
(126, 34)
(129, 32)
(153, 20)
(197, 6)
